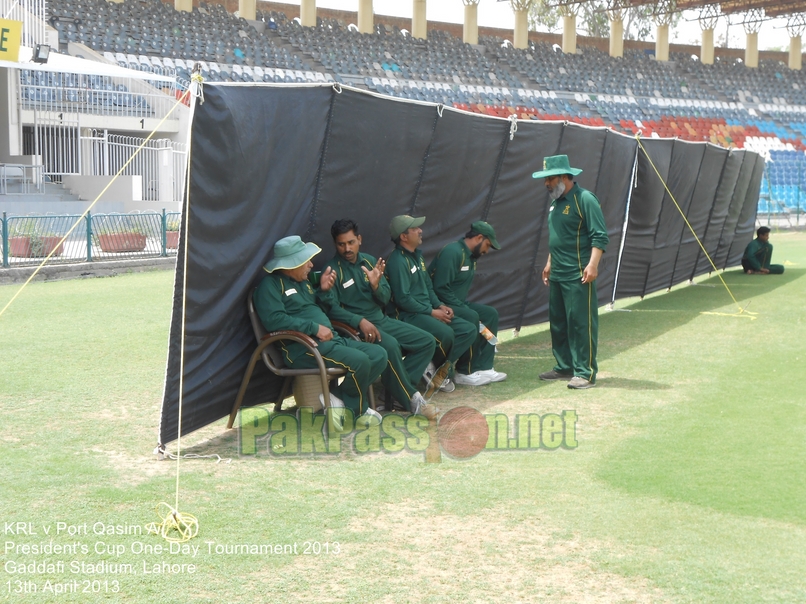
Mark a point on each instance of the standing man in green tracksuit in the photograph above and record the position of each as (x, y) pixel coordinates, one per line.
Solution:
(359, 295)
(286, 299)
(577, 240)
(758, 253)
(452, 273)
(414, 300)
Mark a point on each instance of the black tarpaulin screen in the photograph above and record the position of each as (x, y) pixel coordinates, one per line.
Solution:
(269, 161)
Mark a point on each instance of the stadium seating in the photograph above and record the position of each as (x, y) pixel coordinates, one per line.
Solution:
(79, 93)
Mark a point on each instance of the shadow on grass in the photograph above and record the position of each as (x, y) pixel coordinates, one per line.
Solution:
(654, 316)
(628, 384)
(224, 444)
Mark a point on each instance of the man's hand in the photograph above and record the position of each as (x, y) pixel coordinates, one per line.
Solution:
(327, 279)
(447, 309)
(592, 269)
(546, 272)
(441, 315)
(590, 273)
(376, 274)
(324, 333)
(371, 333)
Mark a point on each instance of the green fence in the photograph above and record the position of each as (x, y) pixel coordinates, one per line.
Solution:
(28, 239)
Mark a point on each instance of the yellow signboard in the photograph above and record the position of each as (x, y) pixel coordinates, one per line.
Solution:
(10, 34)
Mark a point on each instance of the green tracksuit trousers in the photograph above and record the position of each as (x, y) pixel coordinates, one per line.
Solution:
(481, 354)
(401, 375)
(574, 323)
(364, 364)
(453, 339)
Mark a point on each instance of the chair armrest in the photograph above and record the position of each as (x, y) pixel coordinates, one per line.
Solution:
(296, 336)
(347, 330)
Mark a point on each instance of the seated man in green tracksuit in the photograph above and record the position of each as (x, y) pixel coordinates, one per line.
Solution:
(285, 299)
(414, 300)
(757, 255)
(452, 274)
(359, 295)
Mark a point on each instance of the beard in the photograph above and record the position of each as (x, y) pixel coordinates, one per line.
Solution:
(475, 253)
(557, 191)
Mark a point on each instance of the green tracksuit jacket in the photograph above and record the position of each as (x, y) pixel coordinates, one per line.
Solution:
(452, 273)
(576, 224)
(355, 297)
(410, 283)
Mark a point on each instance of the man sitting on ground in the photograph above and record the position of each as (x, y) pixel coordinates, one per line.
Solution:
(452, 274)
(757, 255)
(414, 300)
(285, 299)
(359, 294)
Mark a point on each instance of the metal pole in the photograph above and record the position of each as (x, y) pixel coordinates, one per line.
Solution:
(164, 234)
(89, 236)
(5, 241)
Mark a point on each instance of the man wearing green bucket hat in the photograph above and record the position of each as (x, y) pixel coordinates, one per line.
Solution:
(285, 299)
(577, 240)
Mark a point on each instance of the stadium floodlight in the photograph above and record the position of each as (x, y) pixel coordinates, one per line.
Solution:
(41, 53)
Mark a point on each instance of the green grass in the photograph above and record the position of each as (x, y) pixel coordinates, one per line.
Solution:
(687, 485)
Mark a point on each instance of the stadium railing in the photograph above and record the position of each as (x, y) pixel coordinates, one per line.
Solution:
(27, 240)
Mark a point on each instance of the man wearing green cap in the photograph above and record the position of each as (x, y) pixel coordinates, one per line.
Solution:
(758, 253)
(577, 240)
(452, 274)
(285, 299)
(360, 294)
(414, 300)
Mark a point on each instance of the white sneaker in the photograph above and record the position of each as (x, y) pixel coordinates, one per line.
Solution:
(371, 414)
(336, 416)
(419, 406)
(447, 386)
(335, 401)
(495, 376)
(474, 379)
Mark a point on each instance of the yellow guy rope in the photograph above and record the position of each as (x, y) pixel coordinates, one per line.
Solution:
(177, 526)
(743, 312)
(92, 205)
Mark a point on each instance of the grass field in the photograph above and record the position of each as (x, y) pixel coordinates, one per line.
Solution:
(687, 484)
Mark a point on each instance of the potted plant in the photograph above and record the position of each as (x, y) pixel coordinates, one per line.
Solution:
(172, 224)
(117, 234)
(29, 240)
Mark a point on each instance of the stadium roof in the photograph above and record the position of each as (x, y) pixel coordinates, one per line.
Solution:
(772, 8)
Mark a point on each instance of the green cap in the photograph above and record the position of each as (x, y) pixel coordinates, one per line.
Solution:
(291, 252)
(401, 224)
(556, 165)
(486, 229)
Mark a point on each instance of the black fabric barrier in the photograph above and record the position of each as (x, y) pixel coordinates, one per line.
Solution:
(267, 161)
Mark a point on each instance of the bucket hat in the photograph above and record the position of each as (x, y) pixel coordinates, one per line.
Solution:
(291, 252)
(556, 165)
